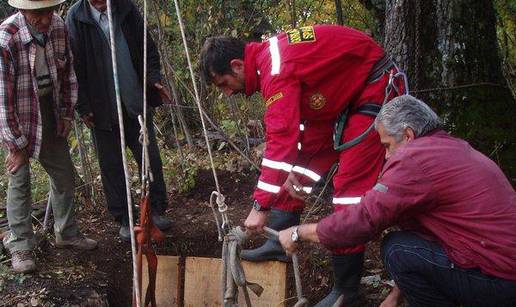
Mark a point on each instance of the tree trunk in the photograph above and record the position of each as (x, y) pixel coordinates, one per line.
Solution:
(293, 17)
(338, 11)
(449, 50)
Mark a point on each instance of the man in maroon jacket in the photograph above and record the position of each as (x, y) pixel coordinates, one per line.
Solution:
(456, 209)
(309, 77)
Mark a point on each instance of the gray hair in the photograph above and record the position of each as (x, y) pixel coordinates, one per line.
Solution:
(407, 112)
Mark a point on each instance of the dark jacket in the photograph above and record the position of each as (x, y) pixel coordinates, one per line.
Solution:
(86, 42)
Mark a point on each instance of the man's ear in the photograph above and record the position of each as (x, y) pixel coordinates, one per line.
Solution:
(237, 65)
(409, 134)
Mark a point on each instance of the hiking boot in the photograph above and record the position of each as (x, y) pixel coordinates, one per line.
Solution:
(271, 249)
(162, 222)
(23, 261)
(77, 242)
(125, 233)
(347, 272)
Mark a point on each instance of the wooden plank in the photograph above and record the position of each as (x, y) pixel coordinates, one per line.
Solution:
(202, 282)
(167, 281)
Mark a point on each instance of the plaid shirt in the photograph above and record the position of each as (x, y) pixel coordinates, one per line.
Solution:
(20, 118)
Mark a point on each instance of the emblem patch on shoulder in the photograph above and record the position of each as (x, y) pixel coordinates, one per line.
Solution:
(317, 101)
(273, 98)
(301, 35)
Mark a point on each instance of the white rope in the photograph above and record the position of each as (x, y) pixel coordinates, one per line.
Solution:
(225, 227)
(122, 145)
(196, 91)
(144, 133)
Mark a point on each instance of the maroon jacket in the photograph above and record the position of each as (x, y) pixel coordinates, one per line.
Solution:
(443, 189)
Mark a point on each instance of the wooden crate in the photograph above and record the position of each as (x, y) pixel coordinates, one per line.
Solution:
(167, 281)
(202, 282)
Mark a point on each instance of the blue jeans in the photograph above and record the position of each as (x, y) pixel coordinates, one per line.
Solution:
(427, 277)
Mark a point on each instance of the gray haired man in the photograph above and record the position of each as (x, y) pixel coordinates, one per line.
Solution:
(38, 91)
(456, 209)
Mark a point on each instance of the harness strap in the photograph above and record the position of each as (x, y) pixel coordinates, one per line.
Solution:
(145, 234)
(370, 109)
(380, 67)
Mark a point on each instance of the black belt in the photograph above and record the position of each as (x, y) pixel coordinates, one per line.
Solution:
(381, 66)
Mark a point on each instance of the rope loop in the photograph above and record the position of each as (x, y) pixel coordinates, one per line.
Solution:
(221, 203)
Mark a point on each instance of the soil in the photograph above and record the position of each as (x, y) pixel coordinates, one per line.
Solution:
(102, 277)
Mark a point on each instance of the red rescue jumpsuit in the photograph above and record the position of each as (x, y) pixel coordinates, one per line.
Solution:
(308, 77)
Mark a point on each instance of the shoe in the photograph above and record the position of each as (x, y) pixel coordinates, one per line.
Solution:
(271, 249)
(23, 261)
(162, 222)
(78, 242)
(125, 233)
(347, 272)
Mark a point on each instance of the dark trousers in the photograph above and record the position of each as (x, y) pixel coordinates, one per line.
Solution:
(107, 144)
(427, 277)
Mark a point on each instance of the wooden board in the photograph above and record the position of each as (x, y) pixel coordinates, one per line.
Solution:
(167, 281)
(202, 282)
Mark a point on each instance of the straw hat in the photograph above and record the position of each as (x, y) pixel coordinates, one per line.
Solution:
(34, 4)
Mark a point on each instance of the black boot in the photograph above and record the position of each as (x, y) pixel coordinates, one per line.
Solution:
(271, 249)
(347, 272)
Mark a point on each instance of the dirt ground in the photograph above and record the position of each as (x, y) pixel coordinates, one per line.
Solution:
(103, 277)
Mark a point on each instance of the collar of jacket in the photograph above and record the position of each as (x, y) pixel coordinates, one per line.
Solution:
(23, 29)
(84, 14)
(252, 78)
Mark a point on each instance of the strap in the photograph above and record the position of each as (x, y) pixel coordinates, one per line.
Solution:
(145, 234)
(380, 67)
(370, 109)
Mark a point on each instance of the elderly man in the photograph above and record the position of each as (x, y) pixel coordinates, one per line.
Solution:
(38, 91)
(456, 209)
(89, 32)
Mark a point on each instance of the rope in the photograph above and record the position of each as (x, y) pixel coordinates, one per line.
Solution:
(301, 300)
(228, 281)
(136, 286)
(458, 87)
(196, 92)
(144, 139)
(418, 44)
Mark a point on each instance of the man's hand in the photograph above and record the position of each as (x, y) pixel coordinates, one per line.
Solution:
(294, 187)
(15, 160)
(163, 92)
(63, 127)
(87, 119)
(393, 299)
(285, 238)
(255, 221)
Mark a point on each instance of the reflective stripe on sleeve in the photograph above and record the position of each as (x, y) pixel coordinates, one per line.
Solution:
(268, 187)
(346, 200)
(306, 172)
(275, 55)
(277, 165)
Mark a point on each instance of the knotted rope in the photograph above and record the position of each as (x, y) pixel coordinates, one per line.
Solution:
(136, 283)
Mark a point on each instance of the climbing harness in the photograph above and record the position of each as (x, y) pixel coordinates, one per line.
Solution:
(370, 109)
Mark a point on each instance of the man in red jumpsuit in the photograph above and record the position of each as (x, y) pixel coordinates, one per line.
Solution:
(308, 77)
